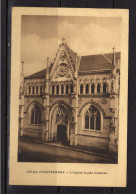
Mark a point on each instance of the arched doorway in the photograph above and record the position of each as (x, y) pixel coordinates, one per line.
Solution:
(59, 124)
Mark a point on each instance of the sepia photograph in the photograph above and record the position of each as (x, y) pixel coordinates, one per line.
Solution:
(69, 89)
(67, 78)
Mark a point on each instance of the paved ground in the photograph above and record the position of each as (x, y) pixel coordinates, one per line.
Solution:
(40, 152)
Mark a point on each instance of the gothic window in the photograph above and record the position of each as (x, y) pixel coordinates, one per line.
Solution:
(66, 89)
(93, 119)
(36, 89)
(92, 88)
(33, 90)
(98, 88)
(57, 89)
(29, 89)
(87, 88)
(62, 89)
(40, 89)
(53, 89)
(104, 88)
(81, 89)
(71, 88)
(36, 115)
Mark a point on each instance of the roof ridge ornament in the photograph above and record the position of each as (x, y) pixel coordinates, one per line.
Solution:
(113, 49)
(113, 57)
(63, 40)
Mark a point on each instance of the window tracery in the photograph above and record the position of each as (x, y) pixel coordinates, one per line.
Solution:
(36, 115)
(93, 119)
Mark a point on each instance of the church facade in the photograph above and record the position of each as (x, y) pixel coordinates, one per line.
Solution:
(74, 100)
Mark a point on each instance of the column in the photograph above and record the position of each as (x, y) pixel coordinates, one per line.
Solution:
(34, 89)
(31, 89)
(84, 88)
(101, 87)
(55, 85)
(38, 89)
(21, 116)
(59, 89)
(95, 88)
(90, 88)
(68, 88)
(113, 124)
(44, 125)
(51, 89)
(27, 90)
(64, 88)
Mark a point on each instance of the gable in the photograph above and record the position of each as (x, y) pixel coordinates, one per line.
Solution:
(63, 67)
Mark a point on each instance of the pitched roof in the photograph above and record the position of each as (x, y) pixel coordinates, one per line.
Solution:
(91, 63)
(97, 62)
(39, 74)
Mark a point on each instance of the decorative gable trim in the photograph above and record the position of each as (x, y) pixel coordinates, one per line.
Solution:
(62, 56)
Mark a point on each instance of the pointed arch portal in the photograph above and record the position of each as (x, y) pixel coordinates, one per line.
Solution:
(59, 124)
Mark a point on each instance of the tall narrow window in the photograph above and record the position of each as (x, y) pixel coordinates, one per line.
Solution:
(33, 90)
(98, 88)
(62, 89)
(53, 89)
(36, 89)
(87, 88)
(71, 88)
(29, 89)
(57, 89)
(104, 88)
(36, 115)
(66, 89)
(81, 89)
(93, 119)
(40, 89)
(92, 88)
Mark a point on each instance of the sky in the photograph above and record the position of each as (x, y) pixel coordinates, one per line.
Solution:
(41, 35)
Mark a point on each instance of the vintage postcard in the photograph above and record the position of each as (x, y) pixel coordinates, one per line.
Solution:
(68, 97)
